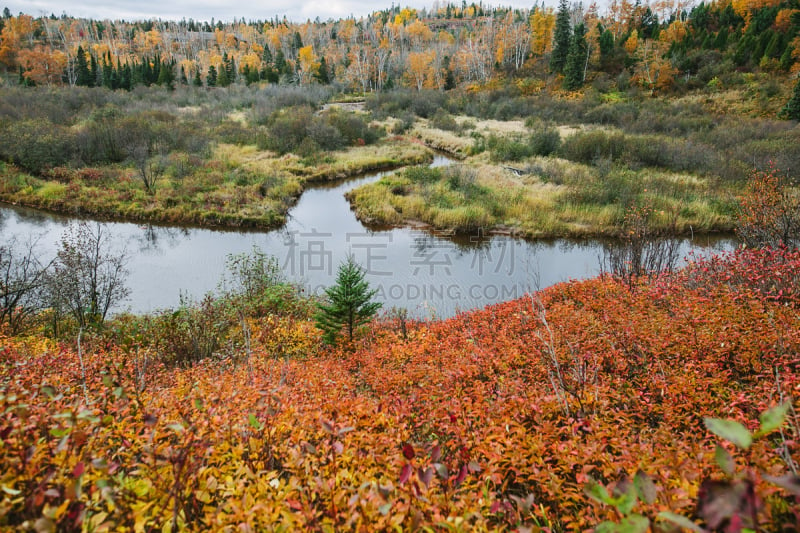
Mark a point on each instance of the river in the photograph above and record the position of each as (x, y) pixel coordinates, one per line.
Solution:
(430, 275)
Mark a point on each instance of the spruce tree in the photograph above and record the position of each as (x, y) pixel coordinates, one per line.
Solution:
(83, 76)
(280, 62)
(229, 65)
(166, 75)
(786, 58)
(349, 304)
(197, 82)
(297, 42)
(23, 79)
(222, 76)
(606, 41)
(791, 110)
(576, 60)
(155, 73)
(744, 50)
(211, 78)
(95, 75)
(721, 41)
(322, 75)
(126, 78)
(561, 38)
(108, 72)
(147, 72)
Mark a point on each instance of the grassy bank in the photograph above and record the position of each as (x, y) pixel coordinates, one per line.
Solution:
(548, 197)
(537, 165)
(572, 168)
(237, 186)
(236, 158)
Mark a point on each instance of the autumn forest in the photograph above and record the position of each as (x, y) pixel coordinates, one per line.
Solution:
(662, 46)
(658, 395)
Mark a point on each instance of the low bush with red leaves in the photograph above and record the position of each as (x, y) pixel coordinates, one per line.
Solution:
(496, 419)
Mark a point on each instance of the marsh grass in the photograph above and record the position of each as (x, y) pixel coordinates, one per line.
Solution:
(556, 198)
(239, 186)
(581, 161)
(455, 144)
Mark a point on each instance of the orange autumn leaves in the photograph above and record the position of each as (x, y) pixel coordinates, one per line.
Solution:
(491, 420)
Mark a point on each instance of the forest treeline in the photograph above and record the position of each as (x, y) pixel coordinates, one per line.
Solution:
(664, 45)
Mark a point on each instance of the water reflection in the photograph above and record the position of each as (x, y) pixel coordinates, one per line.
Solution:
(155, 239)
(430, 274)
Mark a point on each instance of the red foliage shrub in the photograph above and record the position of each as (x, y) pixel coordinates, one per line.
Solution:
(769, 211)
(492, 420)
(90, 175)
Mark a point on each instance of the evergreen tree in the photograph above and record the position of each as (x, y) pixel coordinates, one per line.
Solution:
(251, 75)
(775, 47)
(297, 42)
(108, 72)
(721, 41)
(166, 76)
(95, 75)
(791, 110)
(350, 303)
(155, 73)
(280, 62)
(608, 52)
(729, 18)
(184, 79)
(648, 25)
(147, 72)
(270, 74)
(23, 79)
(82, 75)
(222, 76)
(449, 77)
(322, 75)
(561, 38)
(125, 77)
(786, 59)
(744, 50)
(197, 82)
(761, 45)
(211, 78)
(606, 42)
(230, 69)
(576, 59)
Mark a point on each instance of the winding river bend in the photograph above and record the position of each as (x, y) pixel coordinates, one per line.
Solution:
(430, 275)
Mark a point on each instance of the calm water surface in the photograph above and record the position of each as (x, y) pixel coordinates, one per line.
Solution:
(427, 274)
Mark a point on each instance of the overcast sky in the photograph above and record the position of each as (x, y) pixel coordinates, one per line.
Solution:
(204, 10)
